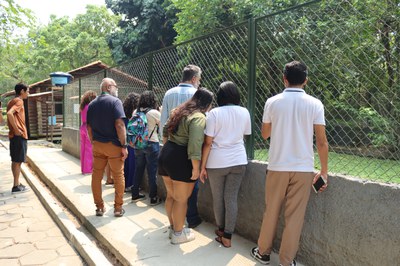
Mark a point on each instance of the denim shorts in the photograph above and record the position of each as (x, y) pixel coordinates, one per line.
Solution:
(18, 148)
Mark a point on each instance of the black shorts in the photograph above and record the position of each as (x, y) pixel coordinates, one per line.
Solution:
(173, 162)
(18, 148)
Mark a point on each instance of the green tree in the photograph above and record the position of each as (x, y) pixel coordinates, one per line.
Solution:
(145, 26)
(13, 18)
(63, 45)
(200, 17)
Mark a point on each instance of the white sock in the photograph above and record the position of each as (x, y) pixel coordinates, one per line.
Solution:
(177, 233)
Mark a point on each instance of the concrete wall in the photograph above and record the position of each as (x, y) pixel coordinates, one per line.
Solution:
(71, 141)
(354, 222)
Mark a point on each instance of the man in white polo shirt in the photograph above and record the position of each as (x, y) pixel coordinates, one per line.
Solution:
(291, 119)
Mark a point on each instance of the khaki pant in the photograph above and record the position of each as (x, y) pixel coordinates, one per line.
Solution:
(103, 153)
(291, 190)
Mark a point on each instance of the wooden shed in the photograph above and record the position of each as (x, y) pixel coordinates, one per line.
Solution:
(46, 101)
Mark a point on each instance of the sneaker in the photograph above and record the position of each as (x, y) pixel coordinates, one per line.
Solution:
(263, 259)
(138, 197)
(19, 189)
(155, 201)
(119, 213)
(186, 235)
(291, 264)
(128, 189)
(100, 211)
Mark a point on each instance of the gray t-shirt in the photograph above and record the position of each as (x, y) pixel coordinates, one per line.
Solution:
(101, 116)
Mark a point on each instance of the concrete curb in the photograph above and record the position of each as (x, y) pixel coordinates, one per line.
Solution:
(68, 199)
(90, 253)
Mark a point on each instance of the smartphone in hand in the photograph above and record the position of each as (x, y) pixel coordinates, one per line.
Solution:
(319, 183)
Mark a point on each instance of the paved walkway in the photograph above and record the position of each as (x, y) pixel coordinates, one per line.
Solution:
(28, 235)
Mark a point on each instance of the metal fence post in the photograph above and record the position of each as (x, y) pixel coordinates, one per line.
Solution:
(80, 97)
(63, 106)
(150, 72)
(251, 92)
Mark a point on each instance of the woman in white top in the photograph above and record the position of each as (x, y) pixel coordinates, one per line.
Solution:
(148, 156)
(224, 157)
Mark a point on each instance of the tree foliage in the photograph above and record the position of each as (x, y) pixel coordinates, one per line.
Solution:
(61, 45)
(12, 17)
(200, 17)
(145, 25)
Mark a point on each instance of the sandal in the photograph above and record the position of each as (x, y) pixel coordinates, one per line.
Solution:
(226, 242)
(219, 232)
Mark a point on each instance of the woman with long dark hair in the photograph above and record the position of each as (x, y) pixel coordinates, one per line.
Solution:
(149, 155)
(86, 145)
(130, 104)
(179, 161)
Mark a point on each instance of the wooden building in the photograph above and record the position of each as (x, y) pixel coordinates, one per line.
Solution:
(46, 101)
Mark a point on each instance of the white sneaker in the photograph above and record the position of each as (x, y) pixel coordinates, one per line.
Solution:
(291, 264)
(187, 235)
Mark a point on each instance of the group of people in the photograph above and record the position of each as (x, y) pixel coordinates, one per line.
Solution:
(182, 162)
(199, 143)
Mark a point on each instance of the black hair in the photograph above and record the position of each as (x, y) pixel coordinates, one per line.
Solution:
(19, 87)
(228, 93)
(130, 103)
(147, 100)
(189, 72)
(200, 102)
(295, 72)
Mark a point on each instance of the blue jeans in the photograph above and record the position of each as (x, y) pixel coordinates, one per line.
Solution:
(146, 157)
(192, 215)
(129, 167)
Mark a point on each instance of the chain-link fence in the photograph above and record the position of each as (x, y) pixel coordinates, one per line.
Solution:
(353, 54)
(72, 97)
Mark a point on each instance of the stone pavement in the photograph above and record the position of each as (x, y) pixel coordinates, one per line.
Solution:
(141, 236)
(28, 235)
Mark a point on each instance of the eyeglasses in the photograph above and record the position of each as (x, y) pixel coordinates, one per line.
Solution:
(112, 85)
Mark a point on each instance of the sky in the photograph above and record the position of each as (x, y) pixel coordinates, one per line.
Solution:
(44, 8)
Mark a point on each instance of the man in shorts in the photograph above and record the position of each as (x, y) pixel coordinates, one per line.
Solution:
(18, 134)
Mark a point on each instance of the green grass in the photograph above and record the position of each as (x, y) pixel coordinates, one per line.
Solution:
(387, 171)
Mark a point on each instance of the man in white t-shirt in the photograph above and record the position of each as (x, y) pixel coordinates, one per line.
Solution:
(291, 119)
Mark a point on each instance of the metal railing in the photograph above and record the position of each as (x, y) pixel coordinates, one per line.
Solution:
(351, 50)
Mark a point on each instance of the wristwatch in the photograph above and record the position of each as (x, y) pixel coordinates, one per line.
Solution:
(125, 146)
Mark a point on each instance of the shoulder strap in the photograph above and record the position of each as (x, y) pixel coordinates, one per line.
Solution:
(153, 130)
(145, 110)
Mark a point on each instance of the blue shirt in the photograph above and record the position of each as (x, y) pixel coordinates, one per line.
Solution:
(102, 114)
(174, 97)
